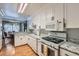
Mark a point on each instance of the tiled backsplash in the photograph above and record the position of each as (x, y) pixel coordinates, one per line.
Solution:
(73, 35)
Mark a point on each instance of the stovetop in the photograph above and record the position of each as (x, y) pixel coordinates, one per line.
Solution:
(54, 40)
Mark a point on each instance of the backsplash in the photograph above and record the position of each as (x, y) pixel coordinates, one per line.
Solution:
(43, 32)
(73, 35)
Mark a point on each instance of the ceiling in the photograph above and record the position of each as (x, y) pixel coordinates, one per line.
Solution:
(11, 11)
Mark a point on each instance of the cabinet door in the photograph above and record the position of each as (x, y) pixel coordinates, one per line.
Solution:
(72, 15)
(16, 40)
(0, 43)
(50, 10)
(66, 53)
(50, 17)
(39, 48)
(20, 40)
(34, 44)
(26, 39)
(59, 16)
(42, 16)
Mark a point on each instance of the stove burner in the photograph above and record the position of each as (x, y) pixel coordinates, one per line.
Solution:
(54, 40)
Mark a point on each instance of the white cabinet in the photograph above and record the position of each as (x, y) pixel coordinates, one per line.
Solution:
(0, 43)
(67, 53)
(59, 17)
(50, 17)
(55, 17)
(20, 40)
(39, 47)
(42, 16)
(32, 42)
(72, 15)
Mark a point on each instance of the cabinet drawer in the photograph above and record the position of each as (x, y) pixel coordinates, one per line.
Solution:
(67, 53)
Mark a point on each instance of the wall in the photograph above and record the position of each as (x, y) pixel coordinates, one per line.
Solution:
(73, 35)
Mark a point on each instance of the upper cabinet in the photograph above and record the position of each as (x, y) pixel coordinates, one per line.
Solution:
(59, 17)
(50, 17)
(72, 15)
(55, 17)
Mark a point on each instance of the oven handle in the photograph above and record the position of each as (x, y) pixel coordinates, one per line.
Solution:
(47, 44)
(51, 47)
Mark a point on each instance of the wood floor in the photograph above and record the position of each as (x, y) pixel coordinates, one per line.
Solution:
(24, 50)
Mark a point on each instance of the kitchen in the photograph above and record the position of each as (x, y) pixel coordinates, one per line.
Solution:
(49, 29)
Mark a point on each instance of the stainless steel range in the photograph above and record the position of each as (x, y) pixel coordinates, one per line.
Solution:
(54, 40)
(50, 44)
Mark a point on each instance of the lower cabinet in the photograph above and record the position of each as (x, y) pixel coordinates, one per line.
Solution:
(0, 43)
(20, 40)
(64, 52)
(39, 48)
(32, 42)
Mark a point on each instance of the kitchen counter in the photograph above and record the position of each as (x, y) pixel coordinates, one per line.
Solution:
(71, 47)
(40, 38)
(44, 41)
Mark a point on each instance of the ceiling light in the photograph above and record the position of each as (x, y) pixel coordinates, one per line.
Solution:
(21, 5)
(2, 11)
(23, 8)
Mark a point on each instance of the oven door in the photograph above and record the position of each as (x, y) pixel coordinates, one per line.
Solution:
(46, 50)
(51, 51)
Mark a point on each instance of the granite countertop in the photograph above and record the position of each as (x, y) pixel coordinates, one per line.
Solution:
(71, 47)
(36, 36)
(46, 42)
